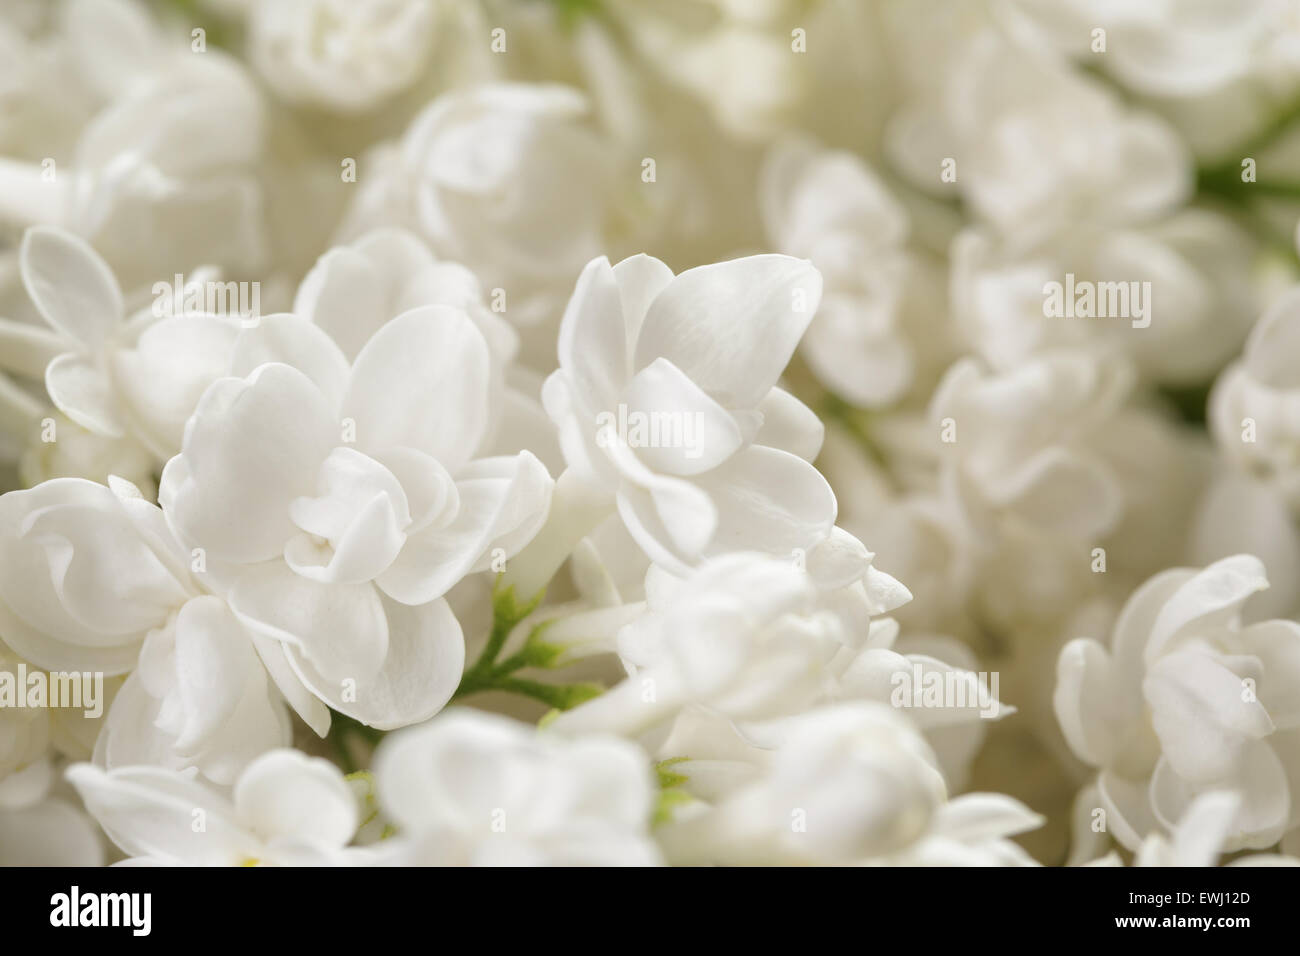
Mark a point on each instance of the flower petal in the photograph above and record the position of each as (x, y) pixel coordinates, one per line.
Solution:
(423, 668)
(673, 426)
(80, 389)
(285, 793)
(339, 628)
(252, 446)
(293, 341)
(732, 326)
(422, 382)
(503, 504)
(148, 811)
(73, 288)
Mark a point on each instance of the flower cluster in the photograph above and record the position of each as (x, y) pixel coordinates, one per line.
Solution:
(625, 433)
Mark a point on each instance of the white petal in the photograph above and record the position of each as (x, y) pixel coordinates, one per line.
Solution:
(162, 377)
(1209, 599)
(305, 704)
(592, 344)
(985, 816)
(1082, 701)
(1128, 808)
(769, 500)
(287, 794)
(81, 390)
(503, 504)
(423, 668)
(252, 446)
(150, 812)
(732, 326)
(685, 431)
(640, 280)
(342, 295)
(73, 288)
(214, 658)
(790, 425)
(339, 628)
(1202, 714)
(297, 342)
(1277, 645)
(422, 382)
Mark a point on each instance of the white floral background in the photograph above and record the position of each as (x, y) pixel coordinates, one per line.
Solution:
(334, 331)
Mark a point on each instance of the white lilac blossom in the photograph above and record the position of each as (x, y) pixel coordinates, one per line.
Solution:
(1043, 464)
(285, 809)
(1187, 699)
(668, 409)
(1253, 408)
(92, 579)
(852, 784)
(1253, 501)
(1175, 295)
(746, 635)
(473, 789)
(342, 503)
(340, 55)
(1044, 147)
(114, 374)
(504, 178)
(830, 207)
(171, 136)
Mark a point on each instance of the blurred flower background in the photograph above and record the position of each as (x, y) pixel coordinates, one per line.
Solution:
(978, 321)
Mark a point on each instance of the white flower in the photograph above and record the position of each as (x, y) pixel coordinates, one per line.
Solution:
(505, 179)
(343, 503)
(92, 579)
(849, 784)
(286, 809)
(1047, 462)
(172, 140)
(474, 789)
(356, 288)
(935, 682)
(339, 54)
(1185, 294)
(828, 206)
(113, 374)
(1039, 148)
(1187, 700)
(746, 635)
(668, 409)
(1254, 410)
